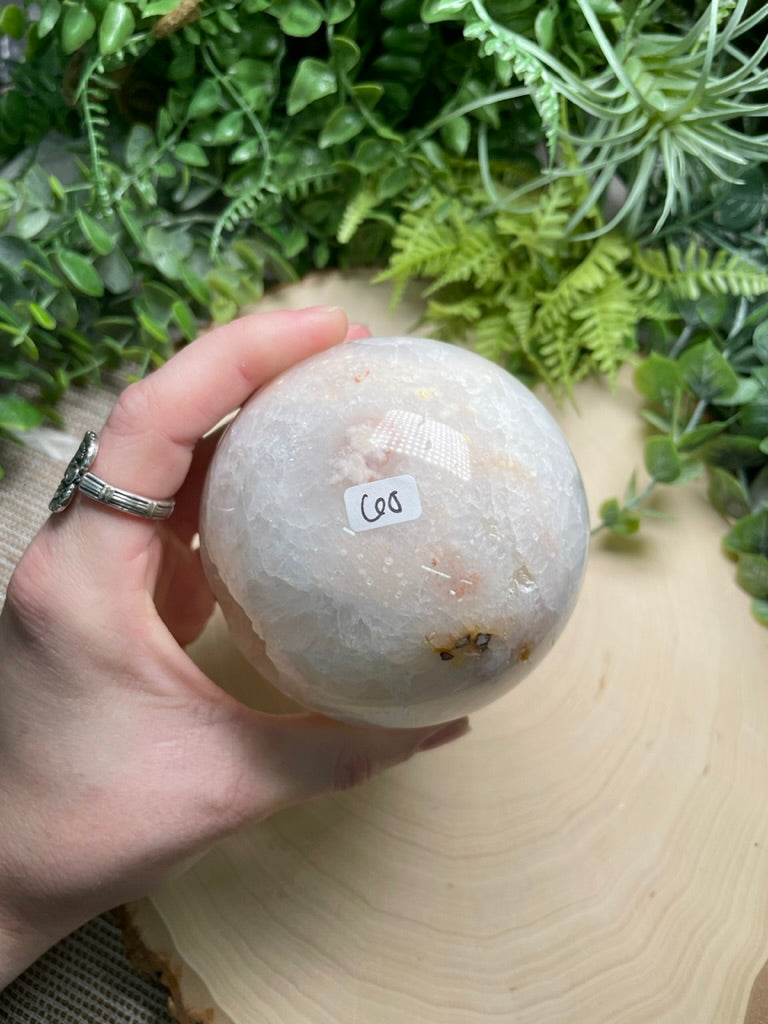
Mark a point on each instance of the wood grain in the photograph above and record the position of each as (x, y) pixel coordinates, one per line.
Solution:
(595, 851)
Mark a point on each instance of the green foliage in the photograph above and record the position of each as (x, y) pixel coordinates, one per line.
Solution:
(705, 382)
(549, 304)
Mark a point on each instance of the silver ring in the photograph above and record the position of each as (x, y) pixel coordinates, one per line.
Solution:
(77, 478)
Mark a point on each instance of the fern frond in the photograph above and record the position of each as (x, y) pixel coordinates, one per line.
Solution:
(690, 274)
(305, 185)
(92, 94)
(606, 325)
(423, 247)
(239, 209)
(477, 256)
(540, 229)
(356, 211)
(514, 55)
(494, 338)
(600, 263)
(469, 310)
(559, 356)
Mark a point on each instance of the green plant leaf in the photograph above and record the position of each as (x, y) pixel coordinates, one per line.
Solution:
(749, 535)
(17, 414)
(345, 53)
(12, 22)
(117, 25)
(77, 27)
(79, 272)
(746, 390)
(343, 124)
(191, 154)
(693, 439)
(49, 15)
(743, 204)
(760, 611)
(707, 372)
(139, 142)
(442, 10)
(621, 521)
(229, 129)
(206, 100)
(182, 315)
(116, 272)
(760, 341)
(246, 151)
(339, 10)
(95, 234)
(662, 459)
(726, 494)
(752, 575)
(41, 316)
(297, 17)
(732, 451)
(313, 80)
(32, 223)
(456, 135)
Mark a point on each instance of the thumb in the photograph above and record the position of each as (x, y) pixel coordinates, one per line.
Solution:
(306, 756)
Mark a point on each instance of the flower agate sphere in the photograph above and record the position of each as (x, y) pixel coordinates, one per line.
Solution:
(396, 531)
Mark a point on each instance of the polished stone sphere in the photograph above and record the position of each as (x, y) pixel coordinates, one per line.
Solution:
(396, 531)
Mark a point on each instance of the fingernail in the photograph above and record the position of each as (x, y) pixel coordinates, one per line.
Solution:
(357, 331)
(445, 734)
(320, 309)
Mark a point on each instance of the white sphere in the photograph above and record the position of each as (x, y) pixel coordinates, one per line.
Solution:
(396, 531)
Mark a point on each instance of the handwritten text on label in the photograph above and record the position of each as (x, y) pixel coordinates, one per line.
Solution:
(382, 503)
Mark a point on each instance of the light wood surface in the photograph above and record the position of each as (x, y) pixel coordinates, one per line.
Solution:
(596, 850)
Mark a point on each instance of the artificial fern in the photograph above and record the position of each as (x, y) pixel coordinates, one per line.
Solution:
(547, 305)
(356, 211)
(695, 272)
(92, 95)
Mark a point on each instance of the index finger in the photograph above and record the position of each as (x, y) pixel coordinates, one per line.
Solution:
(147, 443)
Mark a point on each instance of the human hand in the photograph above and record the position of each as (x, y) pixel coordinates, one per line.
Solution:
(119, 758)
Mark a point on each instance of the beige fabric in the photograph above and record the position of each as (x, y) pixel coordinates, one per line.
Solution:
(87, 978)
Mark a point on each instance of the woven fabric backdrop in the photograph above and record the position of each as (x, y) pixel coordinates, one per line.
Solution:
(87, 978)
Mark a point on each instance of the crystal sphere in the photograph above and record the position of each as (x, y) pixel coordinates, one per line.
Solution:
(396, 531)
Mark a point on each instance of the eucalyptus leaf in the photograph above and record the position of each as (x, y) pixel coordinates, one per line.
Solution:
(662, 459)
(749, 535)
(752, 575)
(726, 494)
(707, 372)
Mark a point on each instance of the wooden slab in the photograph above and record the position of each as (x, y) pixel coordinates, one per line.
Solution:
(595, 851)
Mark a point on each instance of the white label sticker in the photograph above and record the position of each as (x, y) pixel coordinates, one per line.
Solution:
(382, 503)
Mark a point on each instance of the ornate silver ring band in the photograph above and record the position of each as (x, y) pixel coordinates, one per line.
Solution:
(124, 501)
(77, 478)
